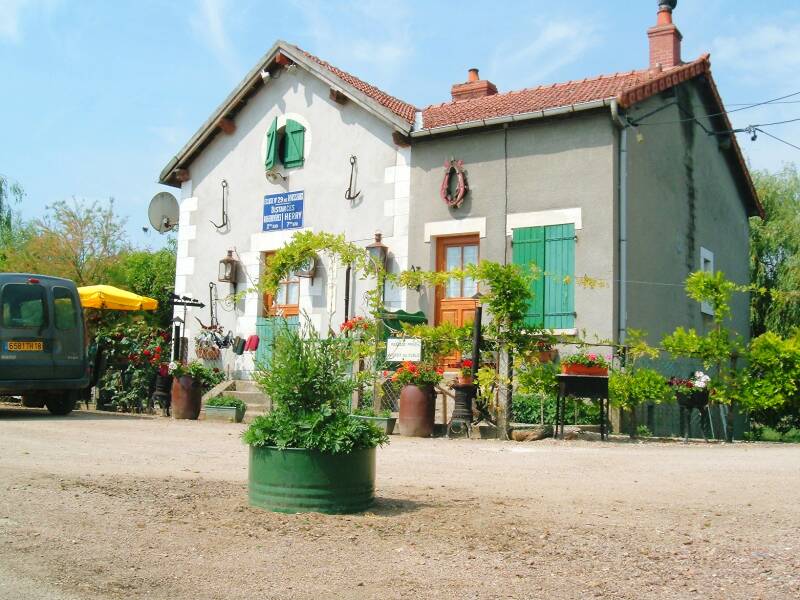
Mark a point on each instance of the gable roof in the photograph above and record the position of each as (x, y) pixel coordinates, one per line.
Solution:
(626, 89)
(402, 109)
(397, 114)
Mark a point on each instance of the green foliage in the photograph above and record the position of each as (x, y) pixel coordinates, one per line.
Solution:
(528, 408)
(148, 273)
(228, 401)
(207, 376)
(629, 389)
(537, 379)
(506, 295)
(441, 340)
(712, 348)
(643, 431)
(775, 253)
(324, 429)
(368, 411)
(713, 289)
(10, 193)
(310, 387)
(770, 385)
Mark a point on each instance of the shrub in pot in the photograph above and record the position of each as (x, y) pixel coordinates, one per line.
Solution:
(309, 454)
(189, 381)
(226, 408)
(417, 397)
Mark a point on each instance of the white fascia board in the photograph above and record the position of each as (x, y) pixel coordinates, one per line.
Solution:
(455, 227)
(559, 216)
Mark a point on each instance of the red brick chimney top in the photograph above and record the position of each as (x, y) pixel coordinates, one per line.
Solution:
(665, 39)
(474, 87)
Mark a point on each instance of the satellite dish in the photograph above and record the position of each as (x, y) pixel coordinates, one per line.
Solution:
(163, 212)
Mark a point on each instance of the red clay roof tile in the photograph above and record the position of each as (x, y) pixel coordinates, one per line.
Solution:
(397, 106)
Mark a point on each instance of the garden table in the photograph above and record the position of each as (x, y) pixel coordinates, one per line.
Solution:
(593, 387)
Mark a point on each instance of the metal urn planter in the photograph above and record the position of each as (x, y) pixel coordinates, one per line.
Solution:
(187, 396)
(385, 424)
(298, 480)
(417, 411)
(229, 414)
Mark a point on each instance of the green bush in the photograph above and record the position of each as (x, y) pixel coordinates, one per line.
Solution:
(227, 401)
(310, 387)
(528, 409)
(368, 411)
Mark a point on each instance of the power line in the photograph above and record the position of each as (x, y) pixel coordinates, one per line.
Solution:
(764, 103)
(775, 123)
(775, 137)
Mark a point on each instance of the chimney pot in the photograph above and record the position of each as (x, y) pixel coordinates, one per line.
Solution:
(473, 75)
(474, 87)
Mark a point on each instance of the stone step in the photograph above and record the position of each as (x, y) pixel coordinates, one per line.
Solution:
(243, 385)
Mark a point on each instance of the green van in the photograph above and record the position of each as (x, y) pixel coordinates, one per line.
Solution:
(42, 341)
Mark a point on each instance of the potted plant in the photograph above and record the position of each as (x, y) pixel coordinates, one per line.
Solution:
(417, 397)
(383, 420)
(542, 348)
(465, 372)
(309, 454)
(585, 363)
(225, 408)
(189, 381)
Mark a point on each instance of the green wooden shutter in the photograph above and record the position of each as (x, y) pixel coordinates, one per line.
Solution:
(272, 145)
(528, 249)
(293, 144)
(266, 329)
(559, 266)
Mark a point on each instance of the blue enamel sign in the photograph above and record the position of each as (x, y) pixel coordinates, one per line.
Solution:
(283, 211)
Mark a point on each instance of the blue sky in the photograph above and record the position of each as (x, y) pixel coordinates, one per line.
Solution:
(96, 96)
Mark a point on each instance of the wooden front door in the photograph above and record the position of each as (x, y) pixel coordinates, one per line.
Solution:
(454, 302)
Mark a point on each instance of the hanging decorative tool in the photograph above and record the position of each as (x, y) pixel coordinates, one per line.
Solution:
(350, 194)
(212, 303)
(224, 223)
(454, 168)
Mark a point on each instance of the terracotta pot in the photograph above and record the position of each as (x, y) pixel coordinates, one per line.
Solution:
(187, 395)
(465, 380)
(571, 369)
(417, 411)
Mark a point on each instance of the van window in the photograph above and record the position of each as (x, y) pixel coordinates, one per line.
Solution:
(64, 311)
(23, 305)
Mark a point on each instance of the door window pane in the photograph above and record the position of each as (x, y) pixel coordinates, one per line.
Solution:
(23, 305)
(453, 258)
(293, 293)
(64, 310)
(470, 255)
(282, 294)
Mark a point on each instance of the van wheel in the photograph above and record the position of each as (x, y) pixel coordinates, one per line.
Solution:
(61, 404)
(32, 401)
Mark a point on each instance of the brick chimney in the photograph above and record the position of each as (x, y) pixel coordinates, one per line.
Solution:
(665, 39)
(474, 87)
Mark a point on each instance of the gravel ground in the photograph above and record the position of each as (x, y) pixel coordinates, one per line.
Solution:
(104, 506)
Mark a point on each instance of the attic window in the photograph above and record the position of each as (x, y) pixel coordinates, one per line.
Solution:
(285, 145)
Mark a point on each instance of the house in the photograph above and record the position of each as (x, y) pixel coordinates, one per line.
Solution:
(616, 186)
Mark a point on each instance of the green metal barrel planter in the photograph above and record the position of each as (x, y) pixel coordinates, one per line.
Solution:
(300, 480)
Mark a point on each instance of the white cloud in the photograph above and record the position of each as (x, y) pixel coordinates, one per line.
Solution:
(376, 34)
(12, 13)
(768, 51)
(208, 24)
(557, 44)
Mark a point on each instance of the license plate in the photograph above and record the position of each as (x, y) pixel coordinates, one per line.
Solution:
(25, 346)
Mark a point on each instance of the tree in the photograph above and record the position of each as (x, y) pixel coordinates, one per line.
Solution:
(10, 193)
(775, 253)
(77, 240)
(149, 273)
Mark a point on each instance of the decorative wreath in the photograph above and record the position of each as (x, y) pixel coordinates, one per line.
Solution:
(454, 168)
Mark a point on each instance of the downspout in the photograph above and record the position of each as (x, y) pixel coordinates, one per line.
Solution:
(622, 193)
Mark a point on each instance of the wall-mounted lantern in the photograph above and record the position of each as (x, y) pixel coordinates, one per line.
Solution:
(378, 251)
(227, 268)
(307, 268)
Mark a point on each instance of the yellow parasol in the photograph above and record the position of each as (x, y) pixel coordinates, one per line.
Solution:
(111, 298)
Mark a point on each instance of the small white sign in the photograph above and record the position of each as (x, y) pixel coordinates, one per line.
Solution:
(400, 349)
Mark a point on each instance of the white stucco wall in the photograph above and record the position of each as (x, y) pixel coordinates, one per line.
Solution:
(334, 133)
